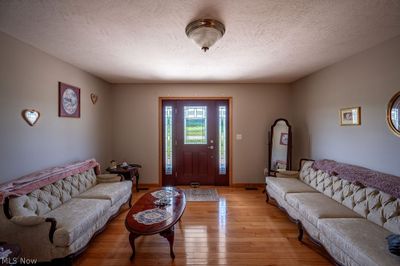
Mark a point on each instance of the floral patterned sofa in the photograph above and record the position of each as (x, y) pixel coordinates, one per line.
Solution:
(350, 220)
(58, 220)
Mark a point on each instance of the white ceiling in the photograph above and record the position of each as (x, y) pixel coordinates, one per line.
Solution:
(145, 41)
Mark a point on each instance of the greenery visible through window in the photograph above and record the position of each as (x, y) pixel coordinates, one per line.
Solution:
(222, 139)
(195, 124)
(168, 139)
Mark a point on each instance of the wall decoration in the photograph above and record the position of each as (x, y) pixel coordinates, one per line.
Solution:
(94, 98)
(69, 100)
(113, 164)
(284, 138)
(350, 116)
(393, 114)
(30, 116)
(280, 147)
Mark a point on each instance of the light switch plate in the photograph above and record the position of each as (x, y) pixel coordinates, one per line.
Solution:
(239, 136)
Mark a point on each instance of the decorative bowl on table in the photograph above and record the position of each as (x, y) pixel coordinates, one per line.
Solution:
(163, 193)
(124, 165)
(163, 202)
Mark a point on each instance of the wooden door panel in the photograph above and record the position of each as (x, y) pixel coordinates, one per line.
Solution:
(203, 164)
(195, 164)
(187, 164)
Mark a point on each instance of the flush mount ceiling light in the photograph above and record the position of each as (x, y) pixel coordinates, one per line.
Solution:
(205, 32)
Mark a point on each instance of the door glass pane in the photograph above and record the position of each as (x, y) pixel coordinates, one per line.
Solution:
(222, 139)
(168, 139)
(195, 124)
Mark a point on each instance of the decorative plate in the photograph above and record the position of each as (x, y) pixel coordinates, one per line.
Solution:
(69, 100)
(159, 194)
(152, 216)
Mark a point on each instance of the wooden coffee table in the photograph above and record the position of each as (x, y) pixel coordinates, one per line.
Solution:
(165, 228)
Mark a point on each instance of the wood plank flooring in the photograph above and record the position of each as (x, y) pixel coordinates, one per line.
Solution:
(240, 229)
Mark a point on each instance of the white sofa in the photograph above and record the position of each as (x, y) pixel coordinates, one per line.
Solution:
(58, 220)
(350, 221)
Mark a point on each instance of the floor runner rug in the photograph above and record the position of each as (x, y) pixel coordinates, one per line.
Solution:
(201, 194)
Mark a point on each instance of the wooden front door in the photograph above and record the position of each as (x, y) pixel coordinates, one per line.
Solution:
(195, 142)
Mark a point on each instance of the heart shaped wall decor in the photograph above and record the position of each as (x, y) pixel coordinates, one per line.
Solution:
(30, 116)
(94, 98)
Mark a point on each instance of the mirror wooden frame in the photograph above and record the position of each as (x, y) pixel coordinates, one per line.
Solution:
(289, 147)
(395, 98)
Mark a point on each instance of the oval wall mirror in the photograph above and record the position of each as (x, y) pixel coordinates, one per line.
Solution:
(280, 143)
(393, 114)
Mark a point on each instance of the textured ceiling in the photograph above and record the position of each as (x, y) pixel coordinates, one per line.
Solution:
(145, 41)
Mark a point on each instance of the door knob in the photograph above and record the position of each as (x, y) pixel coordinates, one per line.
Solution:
(211, 147)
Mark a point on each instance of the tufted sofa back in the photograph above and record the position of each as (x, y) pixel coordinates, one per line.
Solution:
(47, 198)
(375, 205)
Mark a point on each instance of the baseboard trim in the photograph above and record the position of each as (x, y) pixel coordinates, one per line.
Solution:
(235, 185)
(148, 185)
(240, 185)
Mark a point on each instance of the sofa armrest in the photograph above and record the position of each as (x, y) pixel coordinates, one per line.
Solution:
(288, 174)
(28, 220)
(107, 178)
(32, 221)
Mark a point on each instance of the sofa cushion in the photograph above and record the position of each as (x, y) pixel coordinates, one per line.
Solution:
(282, 185)
(111, 191)
(360, 239)
(314, 206)
(75, 217)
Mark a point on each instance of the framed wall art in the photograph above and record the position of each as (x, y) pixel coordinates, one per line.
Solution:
(284, 138)
(350, 116)
(69, 101)
(393, 114)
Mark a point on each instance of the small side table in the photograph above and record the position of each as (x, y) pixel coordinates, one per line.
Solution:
(128, 172)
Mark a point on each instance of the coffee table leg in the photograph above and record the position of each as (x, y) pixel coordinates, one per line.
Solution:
(169, 235)
(132, 238)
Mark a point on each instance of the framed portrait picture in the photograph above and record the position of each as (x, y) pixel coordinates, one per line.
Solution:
(69, 101)
(284, 139)
(350, 116)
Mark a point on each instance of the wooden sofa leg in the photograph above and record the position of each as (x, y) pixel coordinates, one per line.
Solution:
(301, 231)
(266, 197)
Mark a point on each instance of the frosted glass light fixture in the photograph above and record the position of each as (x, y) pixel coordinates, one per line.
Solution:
(205, 32)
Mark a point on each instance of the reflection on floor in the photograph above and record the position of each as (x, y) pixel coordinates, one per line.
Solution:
(240, 229)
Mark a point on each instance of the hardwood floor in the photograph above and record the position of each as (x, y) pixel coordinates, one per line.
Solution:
(240, 229)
